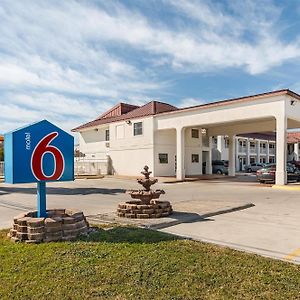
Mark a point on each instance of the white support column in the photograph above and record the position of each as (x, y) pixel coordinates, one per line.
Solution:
(281, 151)
(237, 156)
(180, 145)
(268, 152)
(248, 152)
(296, 151)
(209, 157)
(258, 151)
(221, 145)
(232, 151)
(200, 152)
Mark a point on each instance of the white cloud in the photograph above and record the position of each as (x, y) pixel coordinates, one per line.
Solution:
(187, 102)
(81, 57)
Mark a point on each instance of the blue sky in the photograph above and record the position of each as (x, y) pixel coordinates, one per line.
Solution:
(68, 61)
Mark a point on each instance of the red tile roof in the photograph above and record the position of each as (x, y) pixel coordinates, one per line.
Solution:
(293, 137)
(118, 110)
(155, 107)
(115, 114)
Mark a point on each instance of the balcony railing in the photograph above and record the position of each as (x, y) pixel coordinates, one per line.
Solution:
(263, 150)
(272, 151)
(242, 149)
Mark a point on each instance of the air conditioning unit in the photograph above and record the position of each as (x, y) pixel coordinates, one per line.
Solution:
(107, 144)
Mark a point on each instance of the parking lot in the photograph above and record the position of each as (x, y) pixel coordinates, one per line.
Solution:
(270, 228)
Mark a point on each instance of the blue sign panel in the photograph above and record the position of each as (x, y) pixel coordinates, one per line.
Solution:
(40, 152)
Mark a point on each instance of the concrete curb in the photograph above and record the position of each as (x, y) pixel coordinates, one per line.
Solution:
(286, 187)
(182, 217)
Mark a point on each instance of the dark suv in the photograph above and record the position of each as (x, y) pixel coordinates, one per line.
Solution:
(218, 167)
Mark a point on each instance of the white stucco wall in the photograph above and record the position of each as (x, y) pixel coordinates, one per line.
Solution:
(165, 142)
(129, 153)
(92, 143)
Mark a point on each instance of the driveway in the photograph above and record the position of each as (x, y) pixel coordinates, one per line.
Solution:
(270, 228)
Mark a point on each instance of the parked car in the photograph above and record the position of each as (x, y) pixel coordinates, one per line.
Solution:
(295, 163)
(267, 174)
(218, 167)
(253, 167)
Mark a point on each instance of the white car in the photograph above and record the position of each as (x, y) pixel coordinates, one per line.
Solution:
(254, 167)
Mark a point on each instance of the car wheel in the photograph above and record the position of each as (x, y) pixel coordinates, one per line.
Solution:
(219, 172)
(249, 170)
(262, 181)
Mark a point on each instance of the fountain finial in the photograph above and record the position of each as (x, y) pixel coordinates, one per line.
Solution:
(146, 182)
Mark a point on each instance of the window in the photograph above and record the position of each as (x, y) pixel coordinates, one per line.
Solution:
(195, 158)
(262, 160)
(272, 146)
(242, 143)
(138, 128)
(195, 133)
(107, 134)
(163, 158)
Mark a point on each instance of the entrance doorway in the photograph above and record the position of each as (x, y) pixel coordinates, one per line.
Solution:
(242, 163)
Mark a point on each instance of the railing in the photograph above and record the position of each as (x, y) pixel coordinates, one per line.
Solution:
(242, 149)
(272, 151)
(90, 167)
(263, 150)
(81, 167)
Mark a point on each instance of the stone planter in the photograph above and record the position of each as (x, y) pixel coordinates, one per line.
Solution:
(138, 210)
(60, 225)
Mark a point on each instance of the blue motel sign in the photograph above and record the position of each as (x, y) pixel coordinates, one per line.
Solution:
(40, 153)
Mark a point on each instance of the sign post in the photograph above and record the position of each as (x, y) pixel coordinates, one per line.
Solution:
(41, 200)
(39, 153)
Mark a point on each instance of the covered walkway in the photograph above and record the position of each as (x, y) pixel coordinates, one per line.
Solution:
(275, 111)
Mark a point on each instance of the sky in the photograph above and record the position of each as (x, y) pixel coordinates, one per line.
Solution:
(69, 61)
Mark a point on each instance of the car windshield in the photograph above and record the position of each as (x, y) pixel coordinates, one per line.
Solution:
(268, 166)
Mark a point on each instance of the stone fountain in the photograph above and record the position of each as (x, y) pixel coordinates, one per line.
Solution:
(145, 204)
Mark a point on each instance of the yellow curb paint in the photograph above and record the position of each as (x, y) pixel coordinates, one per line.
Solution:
(293, 255)
(286, 187)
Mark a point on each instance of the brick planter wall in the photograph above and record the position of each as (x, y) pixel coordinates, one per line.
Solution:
(136, 210)
(60, 225)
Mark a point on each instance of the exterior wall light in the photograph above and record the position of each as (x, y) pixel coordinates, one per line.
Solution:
(293, 102)
(128, 122)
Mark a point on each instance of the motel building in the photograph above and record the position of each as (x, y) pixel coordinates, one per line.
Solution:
(175, 142)
(255, 148)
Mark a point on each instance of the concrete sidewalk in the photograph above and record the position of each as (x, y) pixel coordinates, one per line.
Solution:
(184, 212)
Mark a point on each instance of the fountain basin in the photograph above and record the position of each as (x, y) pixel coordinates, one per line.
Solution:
(136, 209)
(145, 196)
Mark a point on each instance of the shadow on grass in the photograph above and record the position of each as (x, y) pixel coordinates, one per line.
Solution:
(62, 191)
(127, 234)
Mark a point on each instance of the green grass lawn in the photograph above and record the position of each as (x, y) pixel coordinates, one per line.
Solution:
(132, 263)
